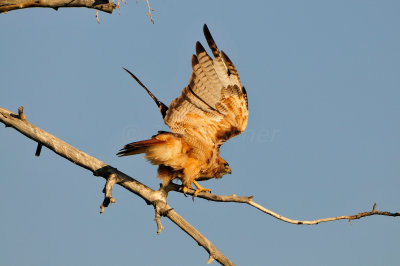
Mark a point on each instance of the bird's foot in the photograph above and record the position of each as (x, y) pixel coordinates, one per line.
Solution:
(184, 189)
(200, 189)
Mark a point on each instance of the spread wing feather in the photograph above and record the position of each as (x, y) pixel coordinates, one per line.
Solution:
(213, 107)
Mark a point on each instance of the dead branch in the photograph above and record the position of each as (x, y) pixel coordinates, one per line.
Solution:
(111, 180)
(113, 176)
(103, 5)
(107, 6)
(152, 197)
(149, 11)
(249, 201)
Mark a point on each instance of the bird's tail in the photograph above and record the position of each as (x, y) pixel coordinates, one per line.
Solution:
(139, 147)
(163, 148)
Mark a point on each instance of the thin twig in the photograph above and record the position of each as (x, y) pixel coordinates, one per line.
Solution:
(149, 11)
(344, 217)
(97, 16)
(249, 201)
(118, 6)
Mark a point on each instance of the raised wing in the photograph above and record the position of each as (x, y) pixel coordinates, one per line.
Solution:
(213, 107)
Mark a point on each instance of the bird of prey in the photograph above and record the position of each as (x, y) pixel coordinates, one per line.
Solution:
(212, 108)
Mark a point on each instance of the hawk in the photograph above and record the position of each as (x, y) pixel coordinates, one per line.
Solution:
(211, 109)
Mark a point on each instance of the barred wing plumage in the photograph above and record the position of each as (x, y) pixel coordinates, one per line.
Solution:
(213, 107)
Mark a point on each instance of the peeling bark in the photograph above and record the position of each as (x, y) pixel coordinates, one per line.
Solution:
(101, 5)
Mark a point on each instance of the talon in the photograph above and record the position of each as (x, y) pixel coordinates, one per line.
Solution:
(200, 189)
(184, 189)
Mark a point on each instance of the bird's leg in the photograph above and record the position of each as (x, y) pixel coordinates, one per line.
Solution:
(190, 172)
(199, 189)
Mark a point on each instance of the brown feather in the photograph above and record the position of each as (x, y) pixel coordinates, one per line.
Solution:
(210, 110)
(161, 106)
(138, 147)
(210, 41)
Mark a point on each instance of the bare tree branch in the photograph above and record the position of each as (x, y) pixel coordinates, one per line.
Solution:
(152, 197)
(102, 5)
(107, 6)
(345, 217)
(249, 201)
(113, 176)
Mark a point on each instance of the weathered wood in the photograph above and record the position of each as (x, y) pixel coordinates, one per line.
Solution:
(156, 198)
(102, 5)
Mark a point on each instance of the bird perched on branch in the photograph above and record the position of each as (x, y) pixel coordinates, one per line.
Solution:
(211, 109)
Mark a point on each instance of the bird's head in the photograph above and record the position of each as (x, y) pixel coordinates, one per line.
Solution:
(223, 168)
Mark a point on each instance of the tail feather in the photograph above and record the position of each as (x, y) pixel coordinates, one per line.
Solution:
(139, 147)
(165, 148)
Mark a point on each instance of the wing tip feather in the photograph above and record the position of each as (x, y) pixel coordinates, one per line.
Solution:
(199, 48)
(195, 60)
(161, 106)
(210, 41)
(245, 97)
(226, 57)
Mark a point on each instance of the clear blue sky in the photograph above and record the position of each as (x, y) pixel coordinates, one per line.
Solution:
(323, 137)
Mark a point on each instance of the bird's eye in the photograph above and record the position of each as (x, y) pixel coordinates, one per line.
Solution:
(226, 164)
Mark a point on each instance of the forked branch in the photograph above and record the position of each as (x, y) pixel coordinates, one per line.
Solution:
(113, 176)
(151, 197)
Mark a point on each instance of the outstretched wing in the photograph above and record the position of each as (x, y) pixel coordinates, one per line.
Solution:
(213, 107)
